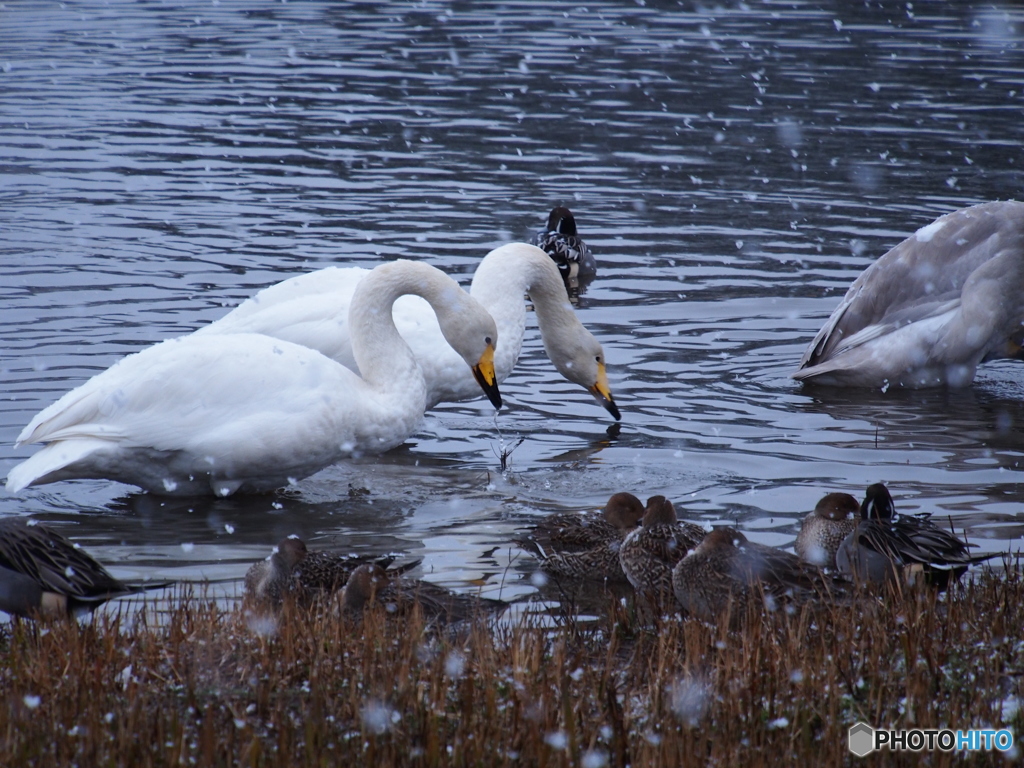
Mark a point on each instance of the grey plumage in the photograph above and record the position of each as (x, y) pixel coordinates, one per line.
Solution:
(933, 308)
(42, 573)
(885, 544)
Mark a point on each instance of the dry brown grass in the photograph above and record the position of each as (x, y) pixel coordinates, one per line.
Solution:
(200, 687)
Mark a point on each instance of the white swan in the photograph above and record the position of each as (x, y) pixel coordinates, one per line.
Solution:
(311, 310)
(929, 311)
(221, 413)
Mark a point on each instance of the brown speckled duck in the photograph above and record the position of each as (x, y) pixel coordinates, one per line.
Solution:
(272, 579)
(292, 570)
(823, 530)
(586, 546)
(371, 584)
(726, 571)
(650, 552)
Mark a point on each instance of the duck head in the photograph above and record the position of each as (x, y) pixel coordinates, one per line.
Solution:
(659, 511)
(837, 506)
(624, 511)
(877, 504)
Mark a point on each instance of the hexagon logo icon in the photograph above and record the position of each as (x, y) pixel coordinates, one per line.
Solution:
(861, 739)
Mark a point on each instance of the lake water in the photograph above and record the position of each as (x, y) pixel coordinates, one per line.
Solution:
(732, 169)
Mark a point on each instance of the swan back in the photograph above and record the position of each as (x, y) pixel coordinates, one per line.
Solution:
(309, 309)
(931, 309)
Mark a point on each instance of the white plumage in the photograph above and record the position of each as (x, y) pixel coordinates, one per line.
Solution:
(311, 310)
(218, 413)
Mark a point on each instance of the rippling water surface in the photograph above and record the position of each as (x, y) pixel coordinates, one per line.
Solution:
(732, 169)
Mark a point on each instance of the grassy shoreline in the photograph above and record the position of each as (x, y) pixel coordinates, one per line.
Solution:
(209, 686)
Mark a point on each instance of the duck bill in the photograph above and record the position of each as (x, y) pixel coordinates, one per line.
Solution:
(485, 376)
(603, 394)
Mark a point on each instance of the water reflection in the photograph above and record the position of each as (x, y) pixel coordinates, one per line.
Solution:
(733, 170)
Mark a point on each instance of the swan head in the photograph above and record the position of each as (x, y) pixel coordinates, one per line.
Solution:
(579, 357)
(486, 377)
(470, 330)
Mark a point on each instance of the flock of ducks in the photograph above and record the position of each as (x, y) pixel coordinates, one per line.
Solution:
(44, 575)
(673, 564)
(344, 362)
(354, 582)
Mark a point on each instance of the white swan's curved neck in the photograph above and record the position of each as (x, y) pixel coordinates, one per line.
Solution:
(379, 350)
(539, 277)
(506, 273)
(501, 282)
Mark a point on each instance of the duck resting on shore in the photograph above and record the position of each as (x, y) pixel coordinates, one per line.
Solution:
(889, 547)
(726, 573)
(586, 546)
(292, 571)
(44, 574)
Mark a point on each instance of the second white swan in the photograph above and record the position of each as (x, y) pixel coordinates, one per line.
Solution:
(311, 310)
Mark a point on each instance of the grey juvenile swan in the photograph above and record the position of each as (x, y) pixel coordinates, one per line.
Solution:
(928, 312)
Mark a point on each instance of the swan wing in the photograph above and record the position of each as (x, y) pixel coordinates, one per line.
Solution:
(245, 407)
(950, 295)
(310, 310)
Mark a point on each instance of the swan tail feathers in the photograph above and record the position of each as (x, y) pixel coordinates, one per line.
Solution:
(75, 408)
(51, 459)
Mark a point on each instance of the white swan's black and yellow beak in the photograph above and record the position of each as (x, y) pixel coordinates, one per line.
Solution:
(603, 393)
(484, 374)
